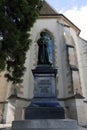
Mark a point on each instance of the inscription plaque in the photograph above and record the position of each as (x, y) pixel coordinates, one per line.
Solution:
(44, 86)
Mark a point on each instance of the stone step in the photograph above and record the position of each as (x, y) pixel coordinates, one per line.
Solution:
(44, 113)
(51, 124)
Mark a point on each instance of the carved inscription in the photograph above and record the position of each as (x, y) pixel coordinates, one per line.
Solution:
(44, 85)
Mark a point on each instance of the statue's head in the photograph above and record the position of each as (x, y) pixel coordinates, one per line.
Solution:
(42, 34)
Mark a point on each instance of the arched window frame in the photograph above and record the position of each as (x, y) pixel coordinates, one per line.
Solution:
(36, 46)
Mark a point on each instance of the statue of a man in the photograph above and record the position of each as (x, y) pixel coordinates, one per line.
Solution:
(43, 56)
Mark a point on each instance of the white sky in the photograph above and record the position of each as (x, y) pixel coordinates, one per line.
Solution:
(79, 18)
(75, 11)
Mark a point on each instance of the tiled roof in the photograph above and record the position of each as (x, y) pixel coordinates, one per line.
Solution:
(47, 9)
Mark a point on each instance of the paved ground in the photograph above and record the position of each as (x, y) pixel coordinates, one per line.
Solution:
(80, 128)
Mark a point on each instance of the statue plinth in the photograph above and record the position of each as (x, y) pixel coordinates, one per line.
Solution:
(44, 77)
(44, 105)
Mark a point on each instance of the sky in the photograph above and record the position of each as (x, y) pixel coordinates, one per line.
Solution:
(75, 11)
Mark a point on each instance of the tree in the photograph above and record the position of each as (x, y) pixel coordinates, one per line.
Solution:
(16, 19)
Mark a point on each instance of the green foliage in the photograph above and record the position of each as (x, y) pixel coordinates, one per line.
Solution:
(16, 19)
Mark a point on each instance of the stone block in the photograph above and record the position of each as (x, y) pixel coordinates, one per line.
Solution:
(53, 124)
(44, 108)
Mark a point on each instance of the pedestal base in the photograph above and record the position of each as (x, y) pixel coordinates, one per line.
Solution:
(44, 105)
(44, 108)
(53, 124)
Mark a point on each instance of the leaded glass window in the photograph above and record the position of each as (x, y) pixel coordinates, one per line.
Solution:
(50, 48)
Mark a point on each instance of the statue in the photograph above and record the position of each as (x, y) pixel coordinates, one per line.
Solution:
(43, 55)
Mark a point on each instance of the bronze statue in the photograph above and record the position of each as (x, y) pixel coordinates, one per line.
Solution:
(43, 42)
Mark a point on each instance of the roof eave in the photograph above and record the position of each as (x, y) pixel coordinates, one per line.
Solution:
(61, 16)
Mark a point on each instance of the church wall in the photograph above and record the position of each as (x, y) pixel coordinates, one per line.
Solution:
(70, 109)
(70, 38)
(80, 46)
(75, 108)
(85, 107)
(60, 57)
(10, 113)
(3, 88)
(57, 31)
(3, 85)
(1, 112)
(81, 111)
(27, 85)
(5, 108)
(82, 60)
(20, 106)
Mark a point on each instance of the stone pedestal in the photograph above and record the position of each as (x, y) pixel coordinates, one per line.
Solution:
(44, 105)
(44, 108)
(52, 124)
(44, 112)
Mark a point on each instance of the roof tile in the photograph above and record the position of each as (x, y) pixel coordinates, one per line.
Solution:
(47, 9)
